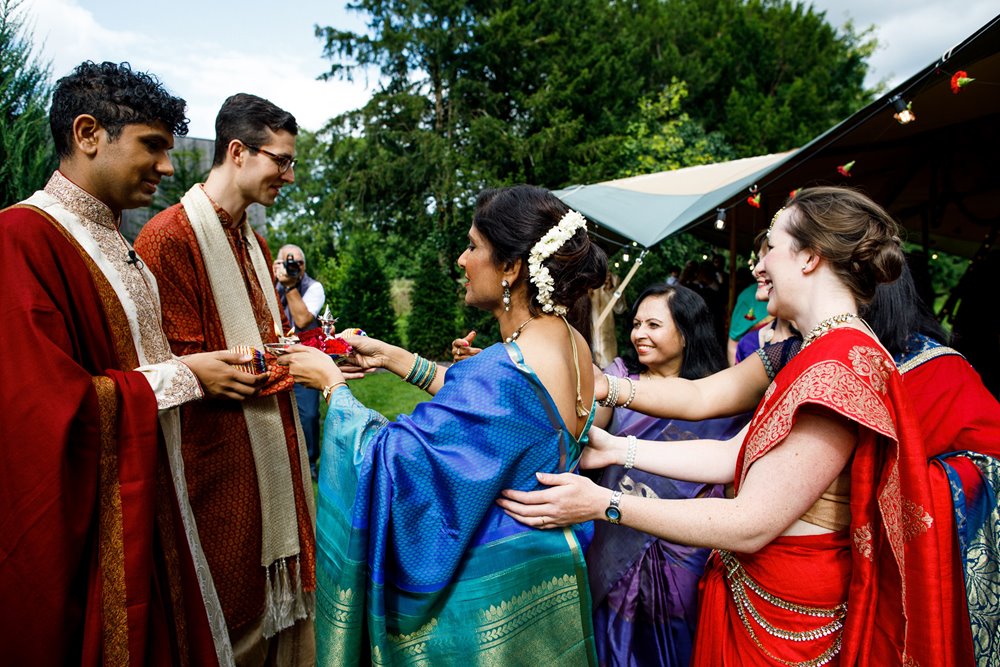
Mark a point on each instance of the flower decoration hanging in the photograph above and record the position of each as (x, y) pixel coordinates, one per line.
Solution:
(845, 169)
(754, 198)
(959, 80)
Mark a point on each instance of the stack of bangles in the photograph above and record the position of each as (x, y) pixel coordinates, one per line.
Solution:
(614, 391)
(422, 372)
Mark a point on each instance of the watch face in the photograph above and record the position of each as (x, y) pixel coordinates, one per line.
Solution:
(613, 514)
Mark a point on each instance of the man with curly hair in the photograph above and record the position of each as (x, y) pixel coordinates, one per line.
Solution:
(100, 560)
(247, 467)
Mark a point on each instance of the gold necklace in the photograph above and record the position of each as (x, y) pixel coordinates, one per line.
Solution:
(517, 332)
(825, 326)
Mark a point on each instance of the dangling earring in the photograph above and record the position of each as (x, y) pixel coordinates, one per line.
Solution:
(506, 294)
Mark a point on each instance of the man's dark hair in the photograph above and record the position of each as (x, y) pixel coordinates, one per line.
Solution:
(116, 96)
(248, 118)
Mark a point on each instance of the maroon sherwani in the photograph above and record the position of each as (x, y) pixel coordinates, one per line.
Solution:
(95, 565)
(219, 462)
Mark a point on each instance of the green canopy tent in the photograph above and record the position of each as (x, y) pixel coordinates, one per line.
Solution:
(936, 175)
(649, 208)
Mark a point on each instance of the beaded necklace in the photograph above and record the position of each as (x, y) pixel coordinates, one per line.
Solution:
(825, 326)
(517, 332)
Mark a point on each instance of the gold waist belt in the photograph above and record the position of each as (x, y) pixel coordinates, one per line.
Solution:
(739, 585)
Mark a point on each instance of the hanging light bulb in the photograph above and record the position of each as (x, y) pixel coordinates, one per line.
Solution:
(720, 219)
(903, 112)
(624, 256)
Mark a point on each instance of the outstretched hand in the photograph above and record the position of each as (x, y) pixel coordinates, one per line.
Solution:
(569, 499)
(310, 367)
(367, 353)
(219, 376)
(461, 348)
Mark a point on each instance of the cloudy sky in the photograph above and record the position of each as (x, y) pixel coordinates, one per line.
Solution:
(204, 51)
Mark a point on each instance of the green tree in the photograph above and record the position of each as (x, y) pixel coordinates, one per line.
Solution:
(477, 95)
(188, 170)
(304, 215)
(769, 74)
(27, 157)
(496, 92)
(431, 324)
(664, 137)
(358, 290)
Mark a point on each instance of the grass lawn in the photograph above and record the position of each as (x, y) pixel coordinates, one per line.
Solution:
(385, 392)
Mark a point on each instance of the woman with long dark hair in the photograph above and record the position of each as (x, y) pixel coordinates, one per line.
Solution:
(645, 589)
(416, 564)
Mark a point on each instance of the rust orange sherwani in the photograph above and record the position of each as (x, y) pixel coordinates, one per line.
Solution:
(219, 462)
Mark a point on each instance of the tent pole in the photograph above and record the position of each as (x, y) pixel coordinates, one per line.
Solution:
(621, 289)
(732, 265)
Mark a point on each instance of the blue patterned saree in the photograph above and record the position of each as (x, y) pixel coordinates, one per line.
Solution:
(416, 563)
(975, 486)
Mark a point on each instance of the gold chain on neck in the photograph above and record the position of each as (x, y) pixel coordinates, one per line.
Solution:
(826, 325)
(517, 332)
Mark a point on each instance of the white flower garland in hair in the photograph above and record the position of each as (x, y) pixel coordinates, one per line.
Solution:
(538, 273)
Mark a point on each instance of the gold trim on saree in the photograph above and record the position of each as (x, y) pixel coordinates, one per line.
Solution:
(739, 582)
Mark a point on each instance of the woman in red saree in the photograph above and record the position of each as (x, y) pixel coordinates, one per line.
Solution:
(829, 552)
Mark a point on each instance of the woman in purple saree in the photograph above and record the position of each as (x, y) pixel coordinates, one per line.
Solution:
(644, 589)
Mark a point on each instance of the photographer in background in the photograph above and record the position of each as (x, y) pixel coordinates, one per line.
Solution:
(302, 297)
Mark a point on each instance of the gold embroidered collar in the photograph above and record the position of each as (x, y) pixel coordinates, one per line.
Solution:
(80, 202)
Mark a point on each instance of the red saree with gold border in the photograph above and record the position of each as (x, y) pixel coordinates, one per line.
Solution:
(886, 568)
(94, 566)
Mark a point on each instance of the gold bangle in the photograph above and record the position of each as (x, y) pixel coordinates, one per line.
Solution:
(413, 367)
(328, 389)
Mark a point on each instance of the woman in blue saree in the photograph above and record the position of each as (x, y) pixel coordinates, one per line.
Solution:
(416, 564)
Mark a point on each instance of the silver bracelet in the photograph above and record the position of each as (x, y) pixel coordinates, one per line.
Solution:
(633, 443)
(612, 397)
(631, 393)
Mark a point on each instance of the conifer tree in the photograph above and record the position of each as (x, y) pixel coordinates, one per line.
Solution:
(358, 290)
(27, 157)
(431, 324)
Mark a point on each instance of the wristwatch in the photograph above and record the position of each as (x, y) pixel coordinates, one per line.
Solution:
(614, 512)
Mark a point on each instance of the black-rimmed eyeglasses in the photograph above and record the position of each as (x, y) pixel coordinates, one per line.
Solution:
(283, 161)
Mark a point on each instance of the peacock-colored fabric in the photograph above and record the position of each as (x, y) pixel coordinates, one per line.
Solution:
(975, 487)
(417, 564)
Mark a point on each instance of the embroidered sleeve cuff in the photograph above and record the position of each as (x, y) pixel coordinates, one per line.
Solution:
(173, 383)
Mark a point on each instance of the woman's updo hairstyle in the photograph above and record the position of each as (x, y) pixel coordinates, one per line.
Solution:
(514, 219)
(851, 232)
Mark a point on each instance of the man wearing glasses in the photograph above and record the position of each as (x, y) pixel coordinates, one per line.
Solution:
(246, 463)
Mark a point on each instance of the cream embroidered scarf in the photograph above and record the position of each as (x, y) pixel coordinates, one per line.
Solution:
(285, 600)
